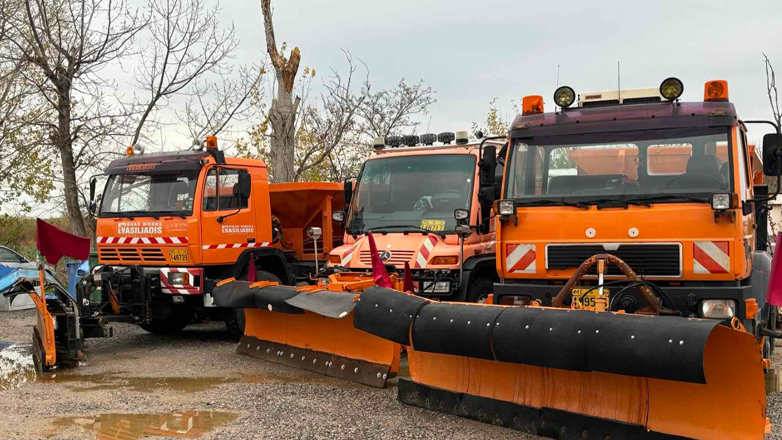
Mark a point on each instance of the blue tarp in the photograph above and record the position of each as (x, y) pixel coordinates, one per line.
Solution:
(10, 274)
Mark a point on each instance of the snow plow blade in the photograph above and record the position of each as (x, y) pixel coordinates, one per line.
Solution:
(310, 328)
(574, 373)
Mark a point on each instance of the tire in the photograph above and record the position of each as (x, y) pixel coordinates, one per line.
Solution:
(236, 321)
(479, 289)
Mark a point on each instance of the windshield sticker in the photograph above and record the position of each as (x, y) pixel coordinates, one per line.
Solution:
(238, 229)
(139, 228)
(433, 225)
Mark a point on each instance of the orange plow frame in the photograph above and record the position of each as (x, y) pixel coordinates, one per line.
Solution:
(587, 401)
(312, 341)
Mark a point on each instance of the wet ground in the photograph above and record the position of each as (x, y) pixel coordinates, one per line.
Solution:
(137, 385)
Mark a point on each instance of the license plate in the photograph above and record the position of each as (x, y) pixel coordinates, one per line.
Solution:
(588, 299)
(178, 255)
(433, 225)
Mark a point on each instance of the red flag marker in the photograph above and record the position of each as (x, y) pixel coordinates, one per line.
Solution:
(378, 269)
(774, 294)
(251, 270)
(408, 285)
(54, 243)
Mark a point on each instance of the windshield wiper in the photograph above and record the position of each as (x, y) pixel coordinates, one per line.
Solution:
(547, 202)
(663, 197)
(413, 227)
(621, 203)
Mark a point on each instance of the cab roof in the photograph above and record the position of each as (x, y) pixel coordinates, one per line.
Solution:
(167, 162)
(625, 117)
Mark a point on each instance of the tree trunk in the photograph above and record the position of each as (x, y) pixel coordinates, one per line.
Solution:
(65, 146)
(282, 115)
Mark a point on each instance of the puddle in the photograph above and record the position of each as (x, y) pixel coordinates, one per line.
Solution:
(298, 377)
(18, 368)
(182, 424)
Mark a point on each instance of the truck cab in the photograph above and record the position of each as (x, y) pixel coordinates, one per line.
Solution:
(406, 195)
(666, 186)
(170, 226)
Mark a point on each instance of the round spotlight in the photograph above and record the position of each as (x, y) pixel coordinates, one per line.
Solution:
(671, 88)
(564, 96)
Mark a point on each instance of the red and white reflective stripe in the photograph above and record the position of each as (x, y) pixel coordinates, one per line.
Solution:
(423, 254)
(347, 257)
(180, 289)
(236, 245)
(141, 240)
(520, 258)
(711, 257)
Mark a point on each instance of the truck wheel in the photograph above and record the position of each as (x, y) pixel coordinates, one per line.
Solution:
(235, 321)
(479, 290)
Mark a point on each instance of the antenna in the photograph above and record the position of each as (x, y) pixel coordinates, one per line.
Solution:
(555, 104)
(428, 124)
(619, 82)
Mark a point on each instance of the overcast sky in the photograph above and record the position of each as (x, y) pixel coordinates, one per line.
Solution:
(473, 51)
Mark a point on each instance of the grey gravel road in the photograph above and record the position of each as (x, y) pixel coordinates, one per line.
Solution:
(209, 389)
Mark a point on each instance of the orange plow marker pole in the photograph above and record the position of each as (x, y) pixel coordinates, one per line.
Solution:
(44, 329)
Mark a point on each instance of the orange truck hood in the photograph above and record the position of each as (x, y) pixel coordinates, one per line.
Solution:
(397, 249)
(709, 249)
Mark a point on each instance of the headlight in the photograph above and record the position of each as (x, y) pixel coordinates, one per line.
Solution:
(564, 96)
(671, 88)
(439, 287)
(718, 308)
(178, 278)
(720, 202)
(335, 259)
(338, 216)
(461, 214)
(506, 207)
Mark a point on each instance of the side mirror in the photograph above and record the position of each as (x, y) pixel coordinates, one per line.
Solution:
(462, 216)
(772, 164)
(488, 165)
(338, 216)
(245, 185)
(93, 183)
(348, 191)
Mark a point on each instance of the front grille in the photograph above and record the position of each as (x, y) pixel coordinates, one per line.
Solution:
(662, 260)
(131, 255)
(397, 257)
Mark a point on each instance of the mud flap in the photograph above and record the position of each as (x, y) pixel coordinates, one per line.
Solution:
(315, 333)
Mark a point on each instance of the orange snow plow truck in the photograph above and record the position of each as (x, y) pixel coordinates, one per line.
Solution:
(631, 245)
(406, 195)
(172, 225)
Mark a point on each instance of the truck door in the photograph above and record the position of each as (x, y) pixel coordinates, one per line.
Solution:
(228, 226)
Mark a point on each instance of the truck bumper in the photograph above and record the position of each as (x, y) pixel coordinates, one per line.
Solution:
(686, 299)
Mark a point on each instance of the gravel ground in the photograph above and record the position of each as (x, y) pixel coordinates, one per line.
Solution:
(199, 374)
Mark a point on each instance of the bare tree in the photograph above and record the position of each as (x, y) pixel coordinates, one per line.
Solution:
(62, 46)
(185, 43)
(284, 108)
(771, 88)
(389, 112)
(211, 107)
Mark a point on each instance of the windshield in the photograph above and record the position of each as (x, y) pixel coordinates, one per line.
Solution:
(632, 165)
(149, 194)
(412, 193)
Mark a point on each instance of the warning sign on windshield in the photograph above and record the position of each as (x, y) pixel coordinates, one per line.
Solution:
(433, 225)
